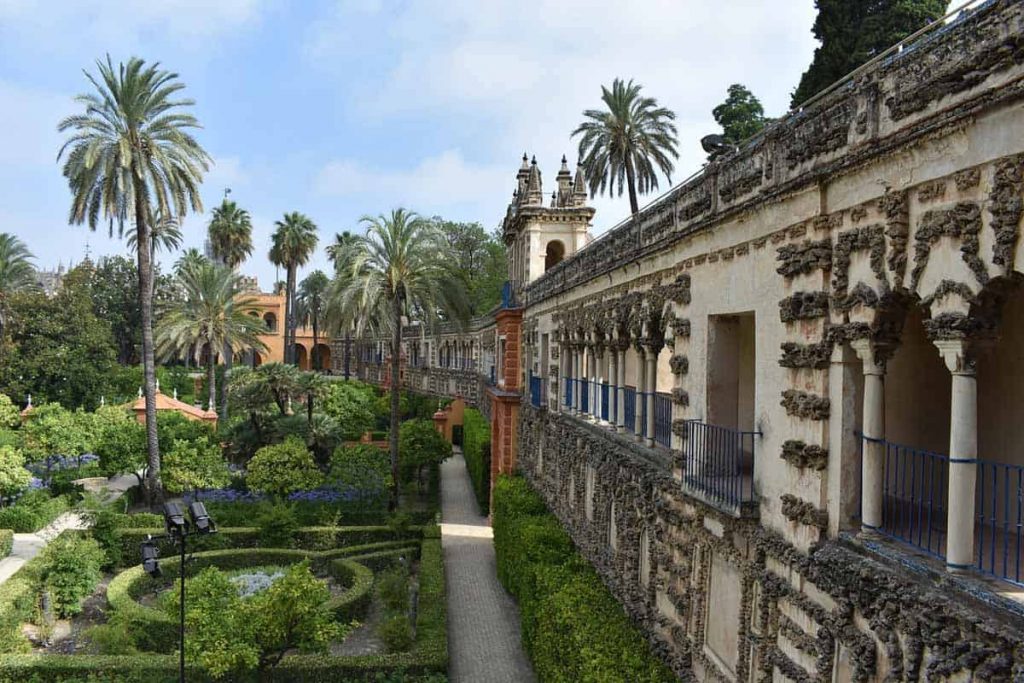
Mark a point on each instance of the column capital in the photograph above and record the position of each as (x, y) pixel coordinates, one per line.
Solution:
(873, 354)
(958, 355)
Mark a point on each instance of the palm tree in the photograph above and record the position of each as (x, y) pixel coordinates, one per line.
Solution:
(230, 234)
(622, 144)
(164, 234)
(128, 157)
(17, 274)
(293, 244)
(189, 259)
(340, 253)
(401, 267)
(214, 313)
(309, 308)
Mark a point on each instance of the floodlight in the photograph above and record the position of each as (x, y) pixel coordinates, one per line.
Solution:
(200, 518)
(150, 561)
(174, 519)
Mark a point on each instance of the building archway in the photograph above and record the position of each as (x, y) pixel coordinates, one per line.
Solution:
(270, 319)
(554, 255)
(322, 357)
(257, 359)
(301, 357)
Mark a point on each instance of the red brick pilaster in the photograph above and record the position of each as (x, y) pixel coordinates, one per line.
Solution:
(505, 399)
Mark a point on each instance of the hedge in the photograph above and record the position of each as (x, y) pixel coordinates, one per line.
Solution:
(6, 542)
(476, 448)
(572, 627)
(29, 518)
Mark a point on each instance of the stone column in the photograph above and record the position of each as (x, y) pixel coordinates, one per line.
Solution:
(600, 360)
(873, 462)
(651, 358)
(620, 404)
(641, 383)
(963, 454)
(613, 386)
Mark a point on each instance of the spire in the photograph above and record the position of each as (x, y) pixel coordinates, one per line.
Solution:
(564, 184)
(579, 190)
(535, 194)
(554, 200)
(522, 177)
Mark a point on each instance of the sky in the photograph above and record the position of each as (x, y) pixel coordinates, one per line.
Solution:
(344, 108)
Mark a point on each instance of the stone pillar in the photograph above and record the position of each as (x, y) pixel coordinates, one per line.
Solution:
(651, 359)
(620, 404)
(873, 463)
(963, 454)
(599, 375)
(613, 387)
(641, 383)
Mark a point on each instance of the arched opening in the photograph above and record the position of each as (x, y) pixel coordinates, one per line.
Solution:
(554, 255)
(270, 319)
(257, 359)
(301, 357)
(322, 358)
(644, 562)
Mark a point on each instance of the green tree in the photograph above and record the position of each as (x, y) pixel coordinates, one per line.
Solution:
(60, 351)
(14, 478)
(71, 570)
(283, 468)
(190, 258)
(851, 32)
(194, 465)
(741, 115)
(401, 268)
(479, 261)
(352, 405)
(128, 157)
(213, 314)
(621, 145)
(340, 253)
(10, 416)
(294, 240)
(309, 309)
(363, 469)
(421, 446)
(17, 274)
(122, 448)
(230, 234)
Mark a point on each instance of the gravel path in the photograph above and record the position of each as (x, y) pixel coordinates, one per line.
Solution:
(483, 620)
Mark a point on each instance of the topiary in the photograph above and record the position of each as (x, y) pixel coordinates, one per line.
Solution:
(71, 570)
(278, 525)
(283, 468)
(396, 633)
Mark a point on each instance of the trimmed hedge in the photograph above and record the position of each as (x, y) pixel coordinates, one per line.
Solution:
(572, 627)
(6, 542)
(28, 518)
(476, 448)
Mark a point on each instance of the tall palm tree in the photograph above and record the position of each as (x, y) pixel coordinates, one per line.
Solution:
(128, 157)
(342, 245)
(189, 259)
(622, 144)
(214, 312)
(17, 274)
(340, 253)
(309, 308)
(293, 243)
(164, 234)
(400, 268)
(230, 234)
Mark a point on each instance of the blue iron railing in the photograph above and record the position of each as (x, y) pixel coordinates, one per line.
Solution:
(605, 392)
(663, 420)
(509, 299)
(568, 391)
(629, 406)
(536, 390)
(718, 463)
(584, 396)
(641, 398)
(914, 492)
(492, 376)
(1000, 517)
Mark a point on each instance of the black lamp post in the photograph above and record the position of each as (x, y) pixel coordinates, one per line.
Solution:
(178, 530)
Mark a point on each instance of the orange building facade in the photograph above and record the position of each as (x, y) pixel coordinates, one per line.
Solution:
(271, 308)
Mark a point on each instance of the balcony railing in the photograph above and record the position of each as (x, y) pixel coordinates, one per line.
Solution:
(569, 381)
(629, 406)
(1000, 510)
(663, 420)
(510, 294)
(584, 387)
(536, 391)
(718, 463)
(914, 491)
(605, 393)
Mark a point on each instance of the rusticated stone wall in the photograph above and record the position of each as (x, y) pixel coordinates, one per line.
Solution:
(728, 599)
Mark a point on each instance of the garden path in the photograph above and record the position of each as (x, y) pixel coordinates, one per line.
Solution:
(27, 546)
(483, 620)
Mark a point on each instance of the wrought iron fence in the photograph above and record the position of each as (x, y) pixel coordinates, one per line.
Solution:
(1000, 508)
(584, 388)
(629, 408)
(914, 490)
(605, 393)
(663, 420)
(536, 390)
(718, 463)
(569, 381)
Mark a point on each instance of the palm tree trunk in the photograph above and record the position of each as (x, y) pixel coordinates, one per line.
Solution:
(289, 317)
(316, 352)
(224, 385)
(154, 492)
(396, 341)
(211, 379)
(634, 206)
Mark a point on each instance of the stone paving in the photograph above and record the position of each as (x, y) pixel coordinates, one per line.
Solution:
(483, 620)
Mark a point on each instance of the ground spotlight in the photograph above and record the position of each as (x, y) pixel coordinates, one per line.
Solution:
(200, 519)
(174, 519)
(150, 558)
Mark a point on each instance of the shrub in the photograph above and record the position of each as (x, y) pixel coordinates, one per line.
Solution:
(396, 633)
(14, 478)
(352, 405)
(6, 542)
(393, 588)
(362, 469)
(71, 570)
(476, 447)
(283, 468)
(33, 511)
(278, 525)
(122, 447)
(419, 446)
(10, 416)
(107, 533)
(191, 465)
(572, 626)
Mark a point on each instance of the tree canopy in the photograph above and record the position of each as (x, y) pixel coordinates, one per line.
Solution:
(741, 115)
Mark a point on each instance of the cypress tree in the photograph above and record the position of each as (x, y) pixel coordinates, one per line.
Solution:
(851, 32)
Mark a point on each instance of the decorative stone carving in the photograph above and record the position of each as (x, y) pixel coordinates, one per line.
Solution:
(814, 356)
(1006, 206)
(870, 238)
(799, 259)
(802, 512)
(800, 454)
(962, 221)
(803, 306)
(806, 405)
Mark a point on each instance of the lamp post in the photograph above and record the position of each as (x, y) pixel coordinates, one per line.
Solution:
(178, 530)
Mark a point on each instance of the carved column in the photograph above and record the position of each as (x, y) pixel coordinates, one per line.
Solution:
(641, 383)
(873, 462)
(620, 394)
(963, 453)
(651, 360)
(600, 374)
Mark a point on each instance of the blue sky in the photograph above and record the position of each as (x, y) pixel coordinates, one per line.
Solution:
(342, 108)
